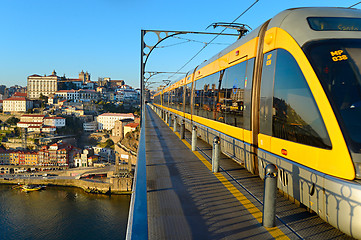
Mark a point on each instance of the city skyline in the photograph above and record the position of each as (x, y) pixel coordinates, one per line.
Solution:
(103, 37)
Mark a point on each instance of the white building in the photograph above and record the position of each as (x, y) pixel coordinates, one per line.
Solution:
(69, 95)
(17, 104)
(29, 124)
(107, 120)
(32, 118)
(54, 121)
(82, 95)
(42, 85)
(90, 126)
(130, 127)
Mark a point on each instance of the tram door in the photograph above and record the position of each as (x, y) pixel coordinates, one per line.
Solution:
(255, 117)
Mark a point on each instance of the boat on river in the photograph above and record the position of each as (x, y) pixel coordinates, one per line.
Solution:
(31, 188)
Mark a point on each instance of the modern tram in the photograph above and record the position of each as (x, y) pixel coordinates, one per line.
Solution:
(287, 93)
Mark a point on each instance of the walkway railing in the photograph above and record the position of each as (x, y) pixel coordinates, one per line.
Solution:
(138, 220)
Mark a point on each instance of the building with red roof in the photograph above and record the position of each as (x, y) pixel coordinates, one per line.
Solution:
(107, 120)
(17, 104)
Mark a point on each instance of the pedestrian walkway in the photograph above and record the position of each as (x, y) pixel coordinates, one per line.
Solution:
(187, 201)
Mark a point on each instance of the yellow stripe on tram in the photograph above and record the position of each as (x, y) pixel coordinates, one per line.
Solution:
(256, 213)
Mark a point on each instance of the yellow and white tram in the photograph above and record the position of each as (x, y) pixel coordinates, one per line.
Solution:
(288, 93)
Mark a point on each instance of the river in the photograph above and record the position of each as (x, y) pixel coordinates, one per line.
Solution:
(61, 214)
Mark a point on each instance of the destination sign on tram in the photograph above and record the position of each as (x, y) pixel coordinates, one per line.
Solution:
(334, 23)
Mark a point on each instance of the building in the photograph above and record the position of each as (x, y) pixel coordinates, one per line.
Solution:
(20, 94)
(54, 121)
(117, 131)
(130, 127)
(69, 95)
(32, 118)
(17, 104)
(90, 126)
(28, 158)
(57, 154)
(14, 157)
(85, 159)
(82, 95)
(4, 156)
(29, 125)
(39, 123)
(42, 85)
(85, 77)
(48, 129)
(107, 120)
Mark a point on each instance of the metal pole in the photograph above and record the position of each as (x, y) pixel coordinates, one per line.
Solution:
(170, 120)
(175, 124)
(215, 154)
(270, 196)
(183, 130)
(194, 138)
(142, 66)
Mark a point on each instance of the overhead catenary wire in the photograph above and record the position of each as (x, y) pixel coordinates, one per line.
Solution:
(214, 38)
(354, 5)
(189, 40)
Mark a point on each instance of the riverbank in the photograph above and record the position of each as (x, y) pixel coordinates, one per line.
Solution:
(114, 186)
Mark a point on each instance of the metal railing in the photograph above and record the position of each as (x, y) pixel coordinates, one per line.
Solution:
(138, 219)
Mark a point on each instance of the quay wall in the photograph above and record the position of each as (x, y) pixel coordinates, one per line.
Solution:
(114, 186)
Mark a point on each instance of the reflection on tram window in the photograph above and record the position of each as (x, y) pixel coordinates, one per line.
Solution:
(165, 99)
(231, 100)
(205, 96)
(188, 93)
(178, 98)
(172, 98)
(295, 114)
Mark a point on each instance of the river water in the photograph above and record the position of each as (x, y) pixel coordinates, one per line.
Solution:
(61, 214)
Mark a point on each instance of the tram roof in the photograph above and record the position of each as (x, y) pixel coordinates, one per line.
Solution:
(294, 21)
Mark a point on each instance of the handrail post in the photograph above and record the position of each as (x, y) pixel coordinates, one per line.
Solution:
(183, 130)
(215, 154)
(175, 124)
(194, 138)
(270, 196)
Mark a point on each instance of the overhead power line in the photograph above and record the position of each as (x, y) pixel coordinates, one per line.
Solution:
(214, 38)
(189, 40)
(354, 5)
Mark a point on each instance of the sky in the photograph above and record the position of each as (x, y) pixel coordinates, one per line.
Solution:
(103, 36)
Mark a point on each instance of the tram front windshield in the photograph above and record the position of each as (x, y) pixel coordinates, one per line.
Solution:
(338, 66)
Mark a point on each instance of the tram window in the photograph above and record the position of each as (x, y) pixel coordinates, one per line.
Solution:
(338, 66)
(265, 110)
(247, 105)
(188, 100)
(165, 99)
(172, 99)
(232, 94)
(295, 114)
(178, 95)
(205, 96)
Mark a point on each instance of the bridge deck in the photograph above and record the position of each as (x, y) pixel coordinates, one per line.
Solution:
(187, 201)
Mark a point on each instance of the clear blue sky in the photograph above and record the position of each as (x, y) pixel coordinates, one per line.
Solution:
(103, 36)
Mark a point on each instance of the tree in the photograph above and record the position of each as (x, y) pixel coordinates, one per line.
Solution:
(12, 120)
